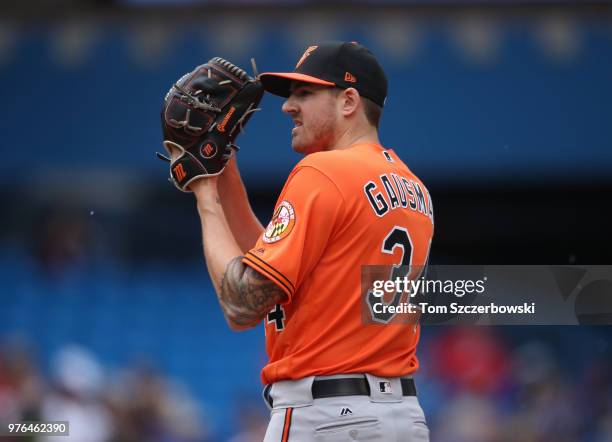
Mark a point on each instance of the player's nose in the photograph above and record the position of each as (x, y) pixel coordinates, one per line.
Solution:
(289, 106)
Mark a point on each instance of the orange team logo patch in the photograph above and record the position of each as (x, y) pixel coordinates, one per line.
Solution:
(350, 77)
(307, 52)
(281, 224)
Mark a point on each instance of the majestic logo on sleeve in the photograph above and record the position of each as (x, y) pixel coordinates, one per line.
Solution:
(281, 224)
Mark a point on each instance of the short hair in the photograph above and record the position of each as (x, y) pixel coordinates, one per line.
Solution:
(372, 111)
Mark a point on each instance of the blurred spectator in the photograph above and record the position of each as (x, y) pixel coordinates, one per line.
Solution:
(148, 408)
(76, 397)
(469, 418)
(251, 420)
(471, 359)
(546, 402)
(20, 386)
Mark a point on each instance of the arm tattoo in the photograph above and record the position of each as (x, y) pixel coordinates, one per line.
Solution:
(246, 295)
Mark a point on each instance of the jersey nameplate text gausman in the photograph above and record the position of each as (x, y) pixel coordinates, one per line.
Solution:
(397, 191)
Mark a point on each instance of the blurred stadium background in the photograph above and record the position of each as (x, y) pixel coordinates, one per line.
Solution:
(107, 316)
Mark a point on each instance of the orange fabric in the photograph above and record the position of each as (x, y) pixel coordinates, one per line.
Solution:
(333, 229)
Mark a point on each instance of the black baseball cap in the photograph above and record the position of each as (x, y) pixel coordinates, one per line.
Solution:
(334, 63)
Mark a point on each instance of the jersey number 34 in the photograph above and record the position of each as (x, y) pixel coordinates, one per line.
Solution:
(398, 237)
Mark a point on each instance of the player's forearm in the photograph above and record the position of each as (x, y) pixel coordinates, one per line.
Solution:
(220, 247)
(240, 217)
(223, 259)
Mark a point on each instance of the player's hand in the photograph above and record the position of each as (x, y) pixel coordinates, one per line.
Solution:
(205, 186)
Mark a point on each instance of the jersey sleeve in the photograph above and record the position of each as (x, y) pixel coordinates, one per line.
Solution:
(308, 210)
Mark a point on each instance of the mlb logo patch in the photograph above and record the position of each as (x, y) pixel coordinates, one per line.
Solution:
(385, 387)
(388, 156)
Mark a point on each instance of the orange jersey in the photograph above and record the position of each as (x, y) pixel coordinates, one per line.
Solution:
(340, 210)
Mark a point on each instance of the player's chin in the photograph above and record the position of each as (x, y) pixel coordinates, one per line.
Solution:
(305, 146)
(298, 146)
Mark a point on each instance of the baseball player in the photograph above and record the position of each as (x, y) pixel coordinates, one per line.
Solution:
(349, 202)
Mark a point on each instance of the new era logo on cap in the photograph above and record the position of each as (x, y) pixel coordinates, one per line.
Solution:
(340, 64)
(349, 77)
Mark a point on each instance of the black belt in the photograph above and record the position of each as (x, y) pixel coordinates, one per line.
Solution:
(323, 388)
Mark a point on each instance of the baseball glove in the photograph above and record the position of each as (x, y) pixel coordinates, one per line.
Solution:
(201, 116)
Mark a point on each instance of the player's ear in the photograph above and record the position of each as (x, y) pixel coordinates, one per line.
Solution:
(350, 101)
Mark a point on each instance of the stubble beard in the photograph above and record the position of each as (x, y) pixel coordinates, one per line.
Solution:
(317, 139)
